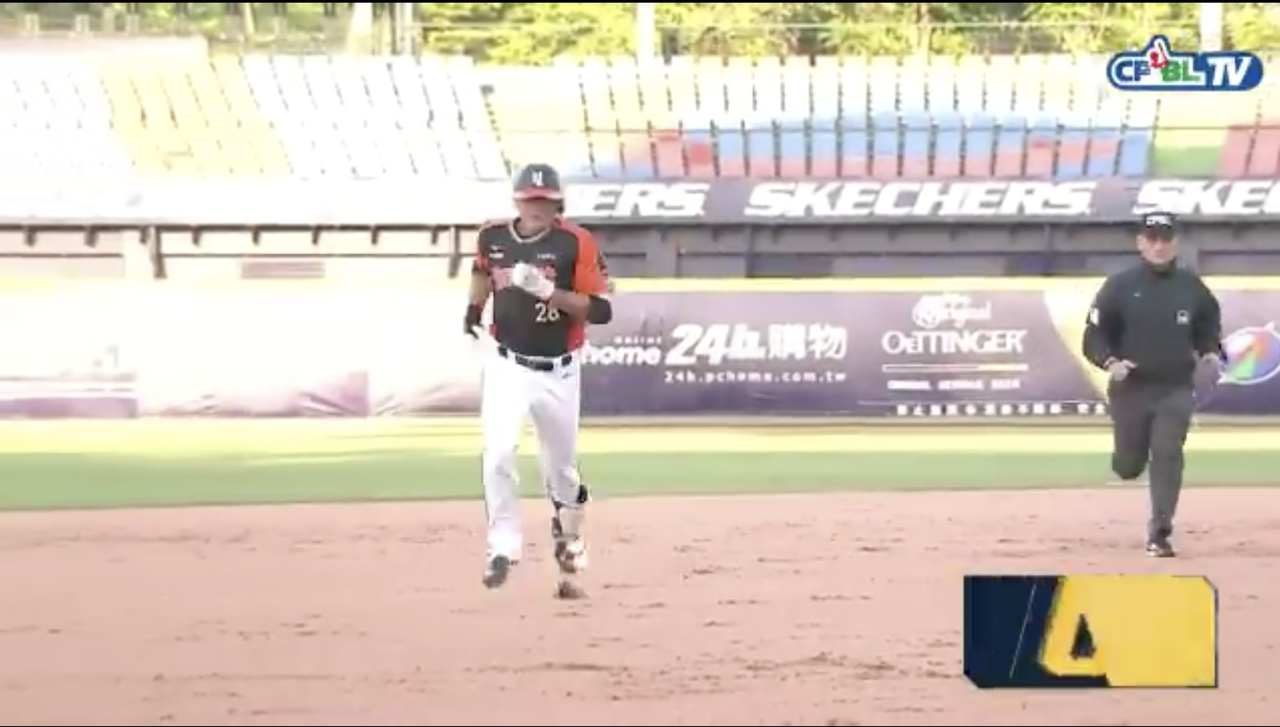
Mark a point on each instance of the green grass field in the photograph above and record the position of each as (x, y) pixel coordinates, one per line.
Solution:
(45, 465)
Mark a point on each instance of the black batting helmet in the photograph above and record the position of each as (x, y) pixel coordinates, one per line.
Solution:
(538, 181)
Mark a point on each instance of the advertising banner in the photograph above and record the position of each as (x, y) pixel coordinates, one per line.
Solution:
(863, 354)
(1249, 384)
(854, 201)
(725, 200)
(331, 351)
(63, 356)
(249, 353)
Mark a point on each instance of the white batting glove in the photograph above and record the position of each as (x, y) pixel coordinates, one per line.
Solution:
(531, 280)
(1120, 369)
(485, 341)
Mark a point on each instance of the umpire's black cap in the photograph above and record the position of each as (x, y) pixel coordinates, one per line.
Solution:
(1162, 225)
(538, 181)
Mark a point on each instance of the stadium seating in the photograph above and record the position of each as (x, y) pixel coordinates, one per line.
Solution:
(1030, 116)
(190, 118)
(376, 117)
(55, 118)
(1049, 117)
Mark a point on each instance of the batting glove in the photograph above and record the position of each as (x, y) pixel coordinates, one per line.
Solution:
(474, 313)
(532, 281)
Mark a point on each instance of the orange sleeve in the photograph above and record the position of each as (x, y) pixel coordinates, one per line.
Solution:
(588, 277)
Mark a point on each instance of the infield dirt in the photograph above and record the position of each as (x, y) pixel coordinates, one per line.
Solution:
(832, 609)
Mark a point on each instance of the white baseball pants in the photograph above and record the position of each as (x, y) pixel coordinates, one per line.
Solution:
(511, 392)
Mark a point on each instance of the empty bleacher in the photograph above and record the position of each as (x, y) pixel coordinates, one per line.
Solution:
(55, 119)
(1036, 116)
(190, 117)
(376, 117)
(1047, 117)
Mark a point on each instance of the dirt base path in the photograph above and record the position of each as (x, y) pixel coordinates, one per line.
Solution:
(781, 610)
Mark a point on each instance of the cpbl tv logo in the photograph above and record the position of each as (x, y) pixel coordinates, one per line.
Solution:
(1160, 68)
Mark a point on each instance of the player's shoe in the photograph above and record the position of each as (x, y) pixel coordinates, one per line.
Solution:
(571, 556)
(497, 568)
(1160, 548)
(570, 550)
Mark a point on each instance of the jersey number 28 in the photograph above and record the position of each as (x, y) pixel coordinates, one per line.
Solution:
(546, 313)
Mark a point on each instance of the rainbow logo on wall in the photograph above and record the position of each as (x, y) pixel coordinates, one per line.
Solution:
(1253, 356)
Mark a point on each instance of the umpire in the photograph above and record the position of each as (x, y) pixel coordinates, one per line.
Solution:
(1150, 327)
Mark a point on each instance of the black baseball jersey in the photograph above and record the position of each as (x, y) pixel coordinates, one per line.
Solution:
(1160, 319)
(567, 255)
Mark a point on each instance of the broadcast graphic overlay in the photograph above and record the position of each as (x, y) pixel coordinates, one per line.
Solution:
(1159, 67)
(1090, 631)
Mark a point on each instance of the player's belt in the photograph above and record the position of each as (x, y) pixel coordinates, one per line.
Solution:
(537, 363)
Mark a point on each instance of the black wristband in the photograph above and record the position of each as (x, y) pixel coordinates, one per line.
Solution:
(474, 312)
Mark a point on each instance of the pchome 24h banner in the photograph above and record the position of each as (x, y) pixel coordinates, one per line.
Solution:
(324, 350)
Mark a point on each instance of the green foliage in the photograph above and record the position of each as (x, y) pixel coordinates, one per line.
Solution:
(536, 33)
(1252, 25)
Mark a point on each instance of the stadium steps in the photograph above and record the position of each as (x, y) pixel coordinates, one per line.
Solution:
(256, 146)
(475, 119)
(1264, 156)
(671, 133)
(187, 117)
(397, 88)
(279, 86)
(855, 137)
(825, 142)
(538, 117)
(605, 129)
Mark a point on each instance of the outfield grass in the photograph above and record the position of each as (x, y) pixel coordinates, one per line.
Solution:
(149, 463)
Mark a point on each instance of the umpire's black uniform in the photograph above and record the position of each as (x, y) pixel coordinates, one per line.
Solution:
(1150, 325)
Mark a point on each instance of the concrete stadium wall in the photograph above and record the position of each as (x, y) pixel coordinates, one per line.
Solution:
(674, 251)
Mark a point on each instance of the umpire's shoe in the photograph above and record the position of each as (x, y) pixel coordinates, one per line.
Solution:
(496, 570)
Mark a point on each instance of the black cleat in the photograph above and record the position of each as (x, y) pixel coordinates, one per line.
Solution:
(1160, 548)
(496, 571)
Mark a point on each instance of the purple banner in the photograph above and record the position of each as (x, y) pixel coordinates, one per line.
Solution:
(248, 353)
(33, 200)
(1250, 382)
(313, 350)
(854, 201)
(973, 353)
(61, 356)
(824, 353)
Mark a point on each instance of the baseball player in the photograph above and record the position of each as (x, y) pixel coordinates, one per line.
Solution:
(545, 276)
(1150, 327)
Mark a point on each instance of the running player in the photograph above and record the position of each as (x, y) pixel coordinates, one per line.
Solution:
(545, 276)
